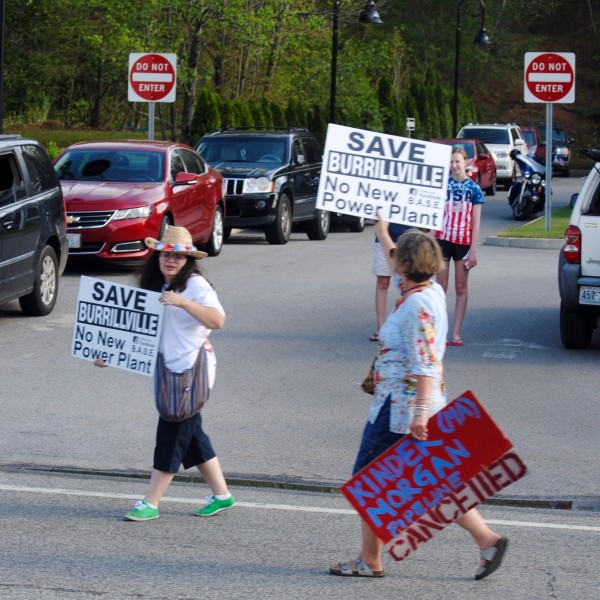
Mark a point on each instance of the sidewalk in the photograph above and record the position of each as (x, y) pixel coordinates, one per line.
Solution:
(536, 243)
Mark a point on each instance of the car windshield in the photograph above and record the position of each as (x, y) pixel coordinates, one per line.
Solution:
(487, 136)
(559, 135)
(243, 149)
(468, 147)
(110, 165)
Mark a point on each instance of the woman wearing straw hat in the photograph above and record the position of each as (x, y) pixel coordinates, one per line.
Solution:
(192, 310)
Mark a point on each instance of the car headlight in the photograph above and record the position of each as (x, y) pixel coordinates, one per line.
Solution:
(562, 150)
(142, 212)
(536, 179)
(502, 154)
(257, 185)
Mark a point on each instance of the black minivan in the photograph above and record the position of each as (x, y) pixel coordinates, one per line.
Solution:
(33, 238)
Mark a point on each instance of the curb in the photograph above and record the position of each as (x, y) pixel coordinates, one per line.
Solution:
(535, 243)
(576, 504)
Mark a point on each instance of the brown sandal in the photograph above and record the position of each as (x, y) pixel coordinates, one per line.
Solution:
(492, 557)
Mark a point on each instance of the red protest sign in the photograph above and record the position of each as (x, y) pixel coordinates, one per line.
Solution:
(500, 474)
(412, 477)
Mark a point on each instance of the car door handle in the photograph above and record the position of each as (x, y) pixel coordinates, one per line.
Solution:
(7, 223)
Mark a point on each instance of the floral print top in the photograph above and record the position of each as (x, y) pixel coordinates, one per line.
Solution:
(412, 342)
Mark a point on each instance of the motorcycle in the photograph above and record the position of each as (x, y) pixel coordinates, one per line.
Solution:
(527, 194)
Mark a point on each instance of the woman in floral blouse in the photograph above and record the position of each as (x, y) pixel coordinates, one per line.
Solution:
(409, 385)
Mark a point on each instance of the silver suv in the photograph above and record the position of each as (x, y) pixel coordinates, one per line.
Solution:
(579, 263)
(33, 239)
(501, 139)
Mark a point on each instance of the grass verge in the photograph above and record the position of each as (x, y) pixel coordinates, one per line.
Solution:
(559, 220)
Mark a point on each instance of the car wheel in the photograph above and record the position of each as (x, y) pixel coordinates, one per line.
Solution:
(358, 225)
(280, 230)
(41, 300)
(576, 326)
(163, 226)
(215, 242)
(566, 172)
(318, 229)
(491, 191)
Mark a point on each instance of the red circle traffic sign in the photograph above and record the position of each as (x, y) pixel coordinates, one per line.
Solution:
(152, 77)
(549, 77)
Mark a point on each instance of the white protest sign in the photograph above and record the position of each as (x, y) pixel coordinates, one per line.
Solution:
(364, 172)
(117, 323)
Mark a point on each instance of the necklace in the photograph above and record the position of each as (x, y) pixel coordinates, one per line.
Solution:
(415, 287)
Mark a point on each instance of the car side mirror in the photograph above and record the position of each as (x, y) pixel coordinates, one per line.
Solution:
(184, 178)
(519, 142)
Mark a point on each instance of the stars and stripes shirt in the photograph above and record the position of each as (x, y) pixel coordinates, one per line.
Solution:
(457, 223)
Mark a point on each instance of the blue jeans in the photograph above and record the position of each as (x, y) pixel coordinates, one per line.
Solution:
(376, 438)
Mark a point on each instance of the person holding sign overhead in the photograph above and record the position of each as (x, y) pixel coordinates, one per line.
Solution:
(409, 385)
(459, 236)
(192, 310)
(381, 270)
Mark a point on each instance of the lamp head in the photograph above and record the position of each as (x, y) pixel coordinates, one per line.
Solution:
(369, 14)
(482, 38)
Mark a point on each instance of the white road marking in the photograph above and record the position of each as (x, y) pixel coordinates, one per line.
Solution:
(260, 505)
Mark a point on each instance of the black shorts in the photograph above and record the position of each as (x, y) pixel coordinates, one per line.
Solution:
(453, 251)
(183, 443)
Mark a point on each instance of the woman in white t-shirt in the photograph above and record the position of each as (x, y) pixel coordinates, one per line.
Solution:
(192, 311)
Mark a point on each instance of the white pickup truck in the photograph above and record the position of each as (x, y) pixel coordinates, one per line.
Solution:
(579, 264)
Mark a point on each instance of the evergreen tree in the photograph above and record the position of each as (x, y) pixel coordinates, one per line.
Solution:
(206, 116)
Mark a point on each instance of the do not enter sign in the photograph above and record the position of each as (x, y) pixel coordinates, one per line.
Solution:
(549, 77)
(152, 77)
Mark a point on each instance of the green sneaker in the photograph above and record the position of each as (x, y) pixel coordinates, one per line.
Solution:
(142, 512)
(214, 505)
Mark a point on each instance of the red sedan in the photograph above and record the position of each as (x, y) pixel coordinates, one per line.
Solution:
(481, 167)
(117, 193)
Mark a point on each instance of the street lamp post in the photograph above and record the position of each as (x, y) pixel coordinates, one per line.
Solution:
(481, 38)
(368, 15)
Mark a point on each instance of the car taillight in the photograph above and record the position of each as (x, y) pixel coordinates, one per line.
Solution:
(572, 249)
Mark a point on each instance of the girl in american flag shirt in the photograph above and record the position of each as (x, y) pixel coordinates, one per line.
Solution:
(459, 236)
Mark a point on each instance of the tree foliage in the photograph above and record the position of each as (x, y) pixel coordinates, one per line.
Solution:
(268, 62)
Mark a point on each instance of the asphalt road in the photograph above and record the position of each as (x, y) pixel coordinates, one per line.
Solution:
(287, 410)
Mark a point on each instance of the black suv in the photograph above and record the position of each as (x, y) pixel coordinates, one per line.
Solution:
(272, 178)
(33, 239)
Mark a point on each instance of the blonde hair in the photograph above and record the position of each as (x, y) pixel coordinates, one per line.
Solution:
(418, 256)
(461, 151)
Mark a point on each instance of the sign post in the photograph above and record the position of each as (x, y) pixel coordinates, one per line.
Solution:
(410, 125)
(152, 78)
(549, 78)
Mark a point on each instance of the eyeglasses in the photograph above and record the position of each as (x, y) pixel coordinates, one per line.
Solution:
(172, 256)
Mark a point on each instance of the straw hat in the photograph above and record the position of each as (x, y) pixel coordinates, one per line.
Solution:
(178, 240)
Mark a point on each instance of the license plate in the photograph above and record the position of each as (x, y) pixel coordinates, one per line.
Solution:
(589, 295)
(74, 240)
